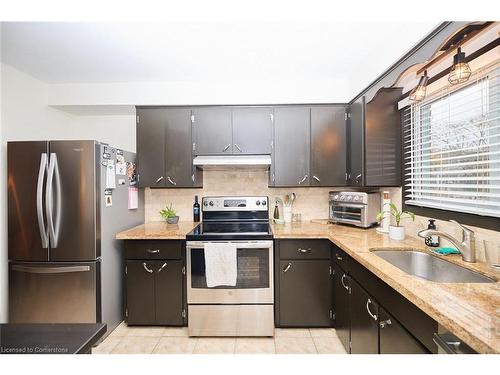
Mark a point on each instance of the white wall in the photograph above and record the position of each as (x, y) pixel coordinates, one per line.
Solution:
(198, 93)
(25, 115)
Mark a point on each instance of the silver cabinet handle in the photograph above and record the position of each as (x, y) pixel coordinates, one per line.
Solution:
(153, 251)
(358, 177)
(39, 201)
(50, 269)
(146, 268)
(385, 323)
(171, 181)
(374, 316)
(238, 147)
(53, 218)
(159, 179)
(346, 287)
(226, 148)
(303, 179)
(287, 268)
(162, 267)
(316, 178)
(339, 258)
(346, 178)
(303, 251)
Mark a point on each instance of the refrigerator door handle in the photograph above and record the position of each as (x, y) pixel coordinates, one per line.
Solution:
(50, 269)
(39, 201)
(53, 219)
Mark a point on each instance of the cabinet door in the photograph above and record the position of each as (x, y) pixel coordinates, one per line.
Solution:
(356, 142)
(341, 309)
(291, 146)
(151, 147)
(305, 293)
(383, 139)
(328, 146)
(252, 130)
(140, 292)
(364, 321)
(395, 339)
(178, 148)
(213, 131)
(168, 292)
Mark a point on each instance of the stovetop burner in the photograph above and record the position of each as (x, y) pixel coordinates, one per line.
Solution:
(242, 230)
(233, 218)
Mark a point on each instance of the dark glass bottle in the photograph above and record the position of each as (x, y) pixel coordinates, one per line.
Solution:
(196, 209)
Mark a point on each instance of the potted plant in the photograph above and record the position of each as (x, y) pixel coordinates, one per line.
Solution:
(396, 232)
(169, 214)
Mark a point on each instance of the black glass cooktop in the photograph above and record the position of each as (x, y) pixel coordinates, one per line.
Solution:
(241, 230)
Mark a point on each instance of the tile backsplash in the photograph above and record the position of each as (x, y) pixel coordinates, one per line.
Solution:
(311, 202)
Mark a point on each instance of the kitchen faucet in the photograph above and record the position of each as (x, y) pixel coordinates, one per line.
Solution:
(467, 247)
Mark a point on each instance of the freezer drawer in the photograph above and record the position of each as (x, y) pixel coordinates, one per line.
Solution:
(54, 292)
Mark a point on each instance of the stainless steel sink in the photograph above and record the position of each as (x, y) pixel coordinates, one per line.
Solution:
(430, 267)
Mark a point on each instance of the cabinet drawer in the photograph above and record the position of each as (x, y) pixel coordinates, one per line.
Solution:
(340, 257)
(153, 249)
(304, 249)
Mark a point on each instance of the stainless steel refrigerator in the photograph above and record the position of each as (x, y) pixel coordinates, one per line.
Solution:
(64, 209)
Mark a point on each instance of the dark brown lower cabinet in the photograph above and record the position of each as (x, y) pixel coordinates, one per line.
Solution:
(364, 321)
(305, 293)
(394, 338)
(341, 296)
(154, 292)
(168, 293)
(140, 292)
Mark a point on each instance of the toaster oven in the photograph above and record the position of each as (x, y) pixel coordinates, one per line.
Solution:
(354, 207)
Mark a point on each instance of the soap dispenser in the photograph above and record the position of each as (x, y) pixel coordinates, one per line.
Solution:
(432, 241)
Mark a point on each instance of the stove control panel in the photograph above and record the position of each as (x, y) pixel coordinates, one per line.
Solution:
(235, 203)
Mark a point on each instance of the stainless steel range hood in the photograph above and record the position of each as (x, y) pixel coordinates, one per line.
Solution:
(253, 161)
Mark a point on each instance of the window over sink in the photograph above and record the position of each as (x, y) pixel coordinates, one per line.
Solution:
(451, 148)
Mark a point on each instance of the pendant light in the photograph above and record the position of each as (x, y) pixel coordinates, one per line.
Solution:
(460, 71)
(418, 93)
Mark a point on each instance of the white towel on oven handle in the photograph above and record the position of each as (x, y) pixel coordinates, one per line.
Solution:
(221, 266)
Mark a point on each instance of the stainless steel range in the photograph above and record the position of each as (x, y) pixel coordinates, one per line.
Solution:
(247, 307)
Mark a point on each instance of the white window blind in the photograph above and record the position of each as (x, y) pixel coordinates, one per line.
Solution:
(451, 147)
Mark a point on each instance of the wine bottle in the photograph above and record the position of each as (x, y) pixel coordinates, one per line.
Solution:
(196, 209)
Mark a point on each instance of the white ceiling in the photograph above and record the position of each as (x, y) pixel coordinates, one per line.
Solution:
(210, 52)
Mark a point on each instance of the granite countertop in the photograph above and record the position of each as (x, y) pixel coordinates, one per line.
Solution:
(469, 310)
(158, 230)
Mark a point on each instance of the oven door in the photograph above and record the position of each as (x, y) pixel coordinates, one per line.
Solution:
(254, 283)
(348, 213)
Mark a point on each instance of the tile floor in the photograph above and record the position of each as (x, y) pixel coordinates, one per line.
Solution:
(170, 340)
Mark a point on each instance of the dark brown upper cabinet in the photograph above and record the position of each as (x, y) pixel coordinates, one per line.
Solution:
(383, 139)
(356, 142)
(164, 148)
(375, 140)
(151, 147)
(252, 130)
(291, 146)
(179, 171)
(328, 146)
(213, 131)
(310, 146)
